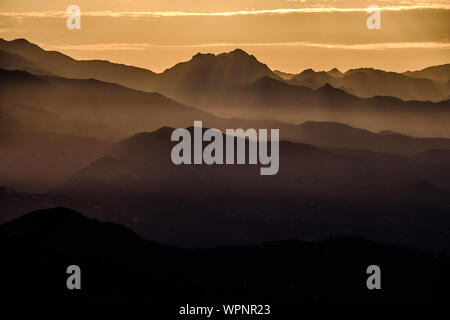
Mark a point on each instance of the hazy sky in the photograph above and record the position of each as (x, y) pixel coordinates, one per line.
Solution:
(289, 35)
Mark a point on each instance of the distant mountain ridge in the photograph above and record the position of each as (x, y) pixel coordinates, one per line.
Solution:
(90, 107)
(65, 66)
(236, 84)
(437, 73)
(426, 85)
(211, 74)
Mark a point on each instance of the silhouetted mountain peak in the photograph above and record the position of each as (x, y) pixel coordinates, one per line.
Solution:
(311, 74)
(18, 42)
(48, 218)
(202, 56)
(152, 145)
(328, 88)
(335, 72)
(235, 54)
(308, 71)
(350, 71)
(22, 41)
(239, 53)
(28, 49)
(67, 230)
(206, 73)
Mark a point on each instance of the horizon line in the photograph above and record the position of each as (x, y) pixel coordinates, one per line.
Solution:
(135, 14)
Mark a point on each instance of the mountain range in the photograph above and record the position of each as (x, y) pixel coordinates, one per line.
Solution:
(61, 125)
(236, 84)
(208, 72)
(95, 136)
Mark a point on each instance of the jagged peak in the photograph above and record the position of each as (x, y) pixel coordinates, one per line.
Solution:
(307, 71)
(52, 216)
(238, 51)
(310, 73)
(200, 55)
(335, 72)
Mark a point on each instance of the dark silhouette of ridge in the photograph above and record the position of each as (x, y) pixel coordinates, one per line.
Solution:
(115, 263)
(61, 228)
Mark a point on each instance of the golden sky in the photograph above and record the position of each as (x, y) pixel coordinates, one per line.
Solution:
(289, 35)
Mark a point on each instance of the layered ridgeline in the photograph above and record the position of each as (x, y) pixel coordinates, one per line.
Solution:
(53, 126)
(317, 192)
(214, 72)
(237, 84)
(109, 111)
(116, 263)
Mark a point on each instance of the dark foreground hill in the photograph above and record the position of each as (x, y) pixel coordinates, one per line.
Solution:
(115, 263)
